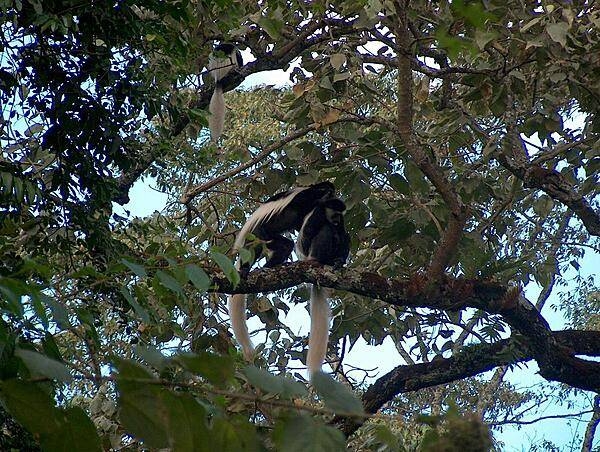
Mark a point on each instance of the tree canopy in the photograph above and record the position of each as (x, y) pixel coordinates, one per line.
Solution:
(464, 137)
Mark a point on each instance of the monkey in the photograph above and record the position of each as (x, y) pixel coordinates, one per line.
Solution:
(323, 238)
(224, 58)
(283, 212)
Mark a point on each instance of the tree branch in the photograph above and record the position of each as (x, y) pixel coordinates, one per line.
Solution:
(557, 361)
(404, 117)
(514, 158)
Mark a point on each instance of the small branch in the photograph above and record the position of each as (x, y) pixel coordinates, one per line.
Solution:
(590, 431)
(541, 418)
(194, 191)
(514, 158)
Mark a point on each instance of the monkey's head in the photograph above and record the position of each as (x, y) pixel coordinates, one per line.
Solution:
(334, 211)
(325, 189)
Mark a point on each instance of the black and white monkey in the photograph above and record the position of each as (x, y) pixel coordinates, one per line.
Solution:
(323, 237)
(283, 212)
(224, 58)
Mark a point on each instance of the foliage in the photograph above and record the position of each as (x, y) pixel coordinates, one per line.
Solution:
(462, 135)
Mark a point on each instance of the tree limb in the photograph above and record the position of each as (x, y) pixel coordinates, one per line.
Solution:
(557, 361)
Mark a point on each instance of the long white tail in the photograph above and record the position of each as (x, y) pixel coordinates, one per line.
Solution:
(319, 329)
(237, 315)
(217, 113)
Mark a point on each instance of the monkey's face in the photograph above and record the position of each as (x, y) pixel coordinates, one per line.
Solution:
(334, 217)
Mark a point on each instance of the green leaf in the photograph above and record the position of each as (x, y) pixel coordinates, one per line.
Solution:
(59, 312)
(558, 32)
(59, 430)
(233, 436)
(142, 413)
(135, 268)
(335, 395)
(268, 382)
(303, 434)
(482, 38)
(40, 364)
(30, 405)
(474, 12)
(151, 355)
(137, 308)
(187, 427)
(131, 370)
(399, 183)
(169, 282)
(227, 266)
(75, 434)
(198, 277)
(219, 370)
(271, 26)
(531, 23)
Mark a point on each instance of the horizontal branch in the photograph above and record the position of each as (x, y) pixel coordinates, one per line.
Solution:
(557, 361)
(468, 362)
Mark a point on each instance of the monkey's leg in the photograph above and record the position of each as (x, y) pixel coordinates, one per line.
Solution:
(279, 249)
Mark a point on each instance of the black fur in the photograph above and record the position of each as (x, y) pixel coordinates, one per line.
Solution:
(290, 218)
(323, 236)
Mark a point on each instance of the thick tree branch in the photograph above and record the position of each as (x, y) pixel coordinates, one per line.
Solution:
(556, 360)
(468, 362)
(590, 431)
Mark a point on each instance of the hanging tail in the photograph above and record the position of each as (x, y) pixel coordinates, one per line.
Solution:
(237, 315)
(217, 113)
(319, 329)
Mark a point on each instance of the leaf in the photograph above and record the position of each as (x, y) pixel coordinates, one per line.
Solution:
(59, 312)
(169, 282)
(151, 355)
(303, 434)
(232, 436)
(337, 60)
(399, 183)
(558, 32)
(227, 266)
(29, 405)
(268, 382)
(187, 427)
(40, 364)
(219, 370)
(342, 76)
(137, 308)
(336, 396)
(67, 430)
(76, 433)
(198, 277)
(482, 38)
(271, 26)
(142, 413)
(135, 268)
(531, 23)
